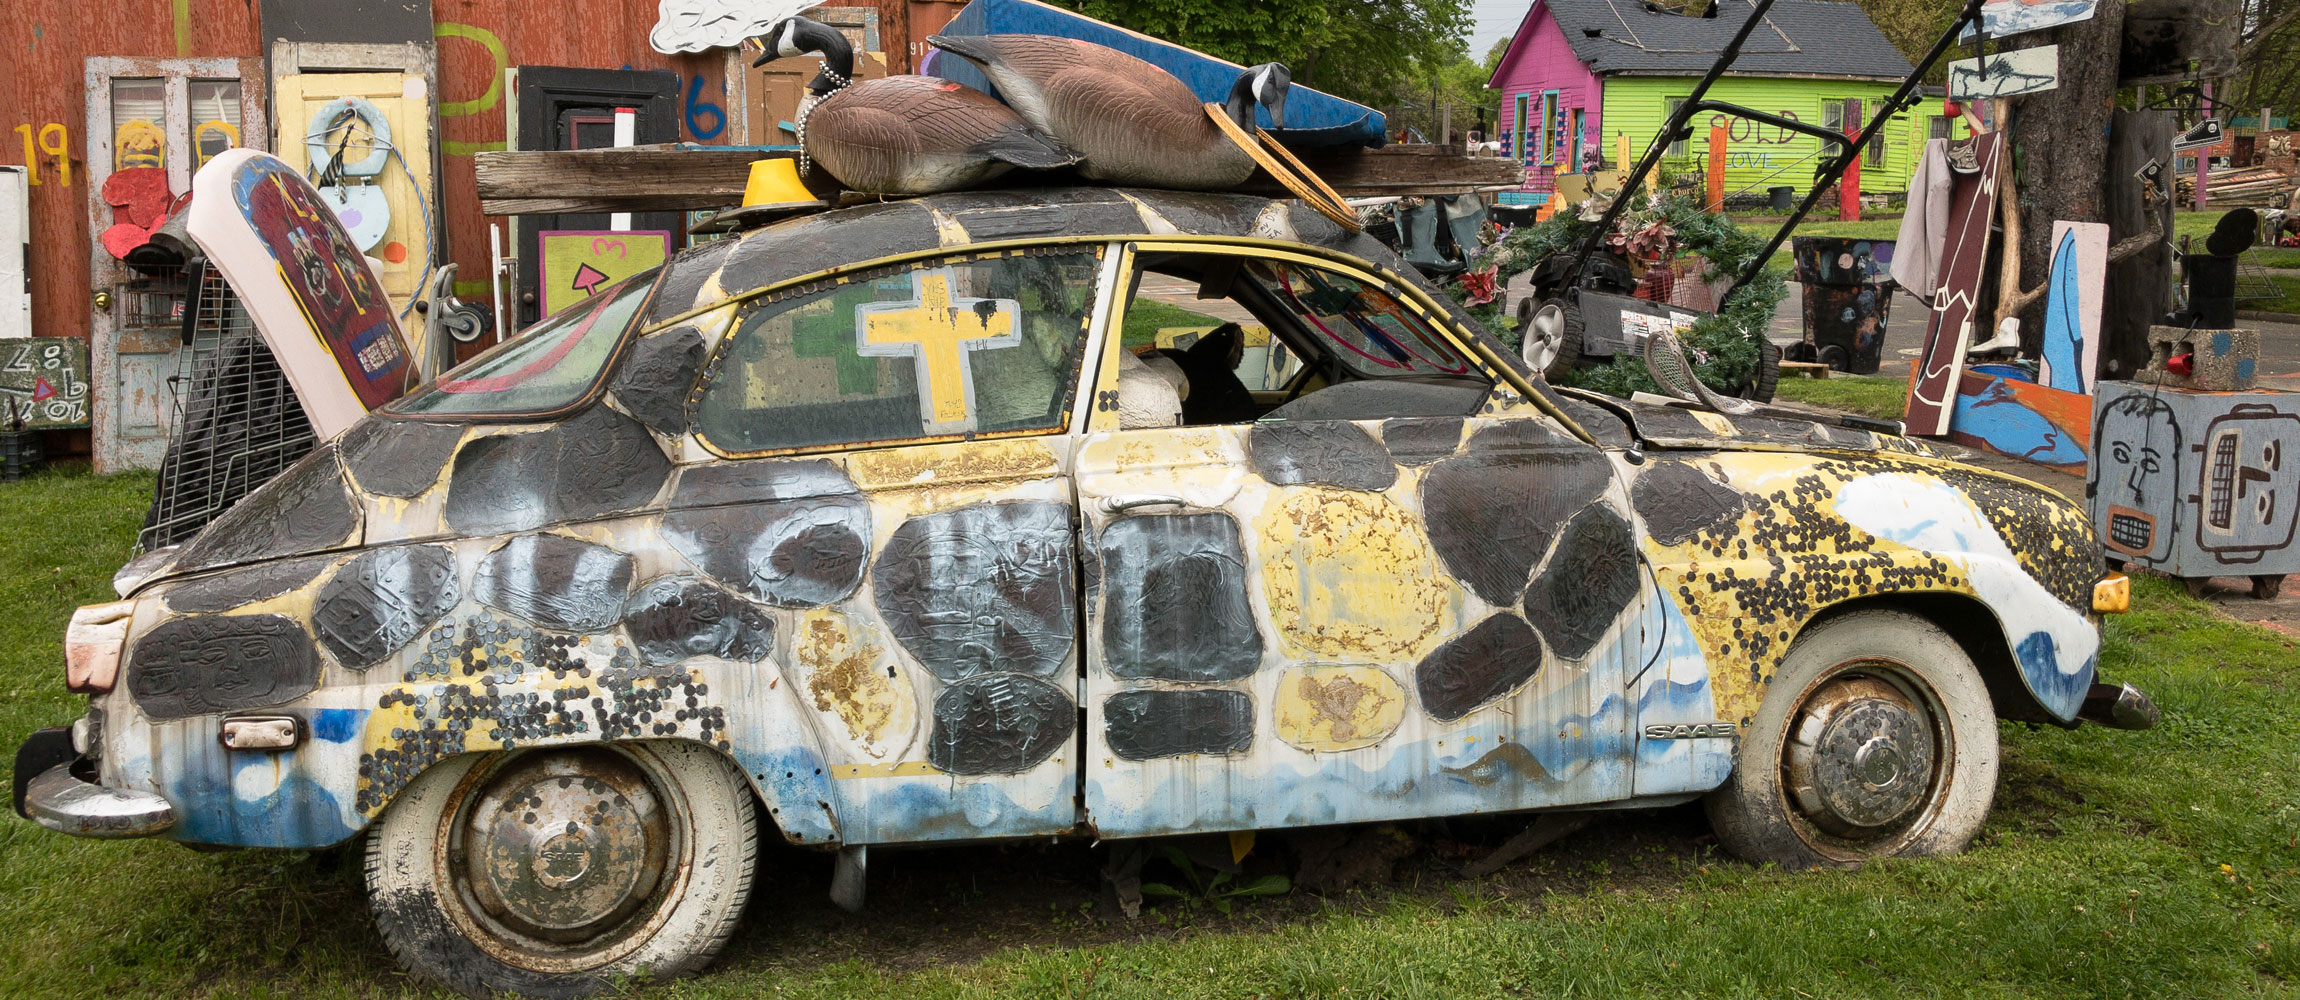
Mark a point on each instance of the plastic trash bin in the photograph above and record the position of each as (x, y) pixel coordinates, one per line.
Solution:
(1848, 295)
(1784, 197)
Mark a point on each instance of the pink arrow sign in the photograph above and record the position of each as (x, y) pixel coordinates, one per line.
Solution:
(587, 278)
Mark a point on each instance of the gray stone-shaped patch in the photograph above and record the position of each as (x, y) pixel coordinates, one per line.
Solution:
(684, 277)
(1677, 501)
(1326, 452)
(382, 600)
(556, 582)
(1145, 725)
(999, 723)
(1490, 660)
(793, 554)
(1175, 605)
(1603, 424)
(244, 585)
(656, 376)
(674, 617)
(1421, 440)
(596, 462)
(1490, 516)
(1590, 580)
(398, 458)
(305, 509)
(208, 664)
(759, 480)
(982, 589)
(1511, 437)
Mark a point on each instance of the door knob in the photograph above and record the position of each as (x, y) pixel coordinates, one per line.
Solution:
(103, 301)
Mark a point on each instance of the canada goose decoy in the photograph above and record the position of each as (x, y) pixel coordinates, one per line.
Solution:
(1133, 122)
(904, 134)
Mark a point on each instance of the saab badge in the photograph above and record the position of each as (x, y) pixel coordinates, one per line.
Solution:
(1690, 731)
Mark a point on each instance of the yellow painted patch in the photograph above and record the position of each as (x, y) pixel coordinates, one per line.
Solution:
(1323, 708)
(1716, 423)
(1203, 465)
(1350, 576)
(937, 329)
(952, 464)
(847, 677)
(898, 769)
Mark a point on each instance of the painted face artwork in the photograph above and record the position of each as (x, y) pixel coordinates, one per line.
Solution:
(2139, 456)
(2247, 487)
(337, 293)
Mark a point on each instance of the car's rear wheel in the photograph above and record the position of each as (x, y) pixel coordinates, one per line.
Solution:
(554, 873)
(1876, 739)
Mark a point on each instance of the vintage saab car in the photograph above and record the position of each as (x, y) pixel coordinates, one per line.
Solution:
(870, 528)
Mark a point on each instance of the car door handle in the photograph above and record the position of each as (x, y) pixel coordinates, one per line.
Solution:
(1122, 504)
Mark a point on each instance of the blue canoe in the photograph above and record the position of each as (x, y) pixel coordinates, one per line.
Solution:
(1313, 118)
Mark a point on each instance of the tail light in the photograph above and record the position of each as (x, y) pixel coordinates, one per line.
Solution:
(92, 646)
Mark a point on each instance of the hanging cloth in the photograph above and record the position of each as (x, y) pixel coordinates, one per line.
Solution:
(1925, 224)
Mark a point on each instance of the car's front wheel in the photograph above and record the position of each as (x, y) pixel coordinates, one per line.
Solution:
(1876, 739)
(554, 873)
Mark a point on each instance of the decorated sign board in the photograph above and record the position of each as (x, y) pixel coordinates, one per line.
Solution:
(44, 383)
(2005, 74)
(319, 303)
(2013, 17)
(579, 262)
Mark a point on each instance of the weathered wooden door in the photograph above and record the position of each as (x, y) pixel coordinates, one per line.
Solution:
(151, 124)
(562, 108)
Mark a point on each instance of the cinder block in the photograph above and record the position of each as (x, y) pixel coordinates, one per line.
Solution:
(2224, 360)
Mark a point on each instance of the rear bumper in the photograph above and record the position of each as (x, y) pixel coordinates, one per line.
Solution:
(2118, 706)
(51, 795)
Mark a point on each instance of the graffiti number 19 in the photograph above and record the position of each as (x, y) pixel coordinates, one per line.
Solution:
(54, 141)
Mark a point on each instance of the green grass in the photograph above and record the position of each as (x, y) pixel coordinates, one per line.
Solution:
(2153, 865)
(1145, 317)
(1883, 398)
(2286, 301)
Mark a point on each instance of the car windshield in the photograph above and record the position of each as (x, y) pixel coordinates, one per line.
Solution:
(543, 370)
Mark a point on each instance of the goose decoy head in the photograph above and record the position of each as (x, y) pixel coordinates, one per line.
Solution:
(1265, 85)
(801, 36)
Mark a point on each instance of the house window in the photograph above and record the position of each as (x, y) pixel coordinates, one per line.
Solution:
(1517, 129)
(1577, 138)
(1937, 127)
(1669, 111)
(1833, 119)
(1549, 127)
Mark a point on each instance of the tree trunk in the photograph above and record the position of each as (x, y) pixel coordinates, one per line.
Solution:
(2060, 146)
(2136, 284)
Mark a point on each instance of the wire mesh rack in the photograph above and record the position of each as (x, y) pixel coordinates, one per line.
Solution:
(238, 422)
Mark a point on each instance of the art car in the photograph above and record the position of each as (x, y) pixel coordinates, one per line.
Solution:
(871, 529)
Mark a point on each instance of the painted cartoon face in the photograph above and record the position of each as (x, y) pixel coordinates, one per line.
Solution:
(2247, 491)
(2137, 475)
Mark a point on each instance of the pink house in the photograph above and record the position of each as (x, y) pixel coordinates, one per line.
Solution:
(1541, 81)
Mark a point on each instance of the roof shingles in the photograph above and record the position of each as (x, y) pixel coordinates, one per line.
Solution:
(1800, 37)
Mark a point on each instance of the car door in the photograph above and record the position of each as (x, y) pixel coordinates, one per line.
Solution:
(1347, 612)
(894, 480)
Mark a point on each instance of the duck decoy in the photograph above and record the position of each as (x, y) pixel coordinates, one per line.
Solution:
(1132, 121)
(904, 134)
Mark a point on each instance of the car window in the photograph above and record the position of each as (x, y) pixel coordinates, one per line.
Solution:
(1377, 335)
(985, 345)
(548, 368)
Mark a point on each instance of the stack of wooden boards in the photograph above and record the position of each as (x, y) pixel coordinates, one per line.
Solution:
(2249, 187)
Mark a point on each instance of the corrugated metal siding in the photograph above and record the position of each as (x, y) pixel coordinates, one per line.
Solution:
(1760, 156)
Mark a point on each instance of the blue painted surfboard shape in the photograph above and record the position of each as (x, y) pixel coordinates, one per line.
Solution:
(1313, 118)
(2063, 328)
(2012, 428)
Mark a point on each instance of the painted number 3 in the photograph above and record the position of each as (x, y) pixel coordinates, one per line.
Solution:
(54, 141)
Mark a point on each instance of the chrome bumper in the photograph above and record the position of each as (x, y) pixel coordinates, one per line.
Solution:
(2119, 706)
(64, 803)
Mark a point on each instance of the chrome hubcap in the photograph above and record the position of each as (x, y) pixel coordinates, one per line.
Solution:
(1861, 757)
(564, 847)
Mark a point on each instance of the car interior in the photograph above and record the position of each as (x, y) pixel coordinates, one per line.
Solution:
(1242, 338)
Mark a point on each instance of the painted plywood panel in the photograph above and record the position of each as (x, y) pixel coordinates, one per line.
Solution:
(44, 383)
(2072, 306)
(2013, 17)
(2005, 74)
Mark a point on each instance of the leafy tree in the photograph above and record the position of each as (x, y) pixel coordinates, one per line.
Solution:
(1364, 50)
(2268, 61)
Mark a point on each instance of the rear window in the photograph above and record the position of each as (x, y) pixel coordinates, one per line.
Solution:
(549, 368)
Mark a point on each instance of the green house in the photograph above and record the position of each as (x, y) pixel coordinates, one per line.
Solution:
(1580, 75)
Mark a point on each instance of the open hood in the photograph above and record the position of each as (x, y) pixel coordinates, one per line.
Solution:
(316, 300)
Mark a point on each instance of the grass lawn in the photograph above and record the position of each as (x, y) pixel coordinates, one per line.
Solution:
(1869, 396)
(2154, 865)
(1145, 317)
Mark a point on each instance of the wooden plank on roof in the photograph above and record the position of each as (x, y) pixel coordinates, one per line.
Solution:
(681, 178)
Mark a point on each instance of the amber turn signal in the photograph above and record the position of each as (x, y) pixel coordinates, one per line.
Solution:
(2113, 595)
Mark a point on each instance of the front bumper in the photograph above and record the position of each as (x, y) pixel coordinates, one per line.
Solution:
(51, 795)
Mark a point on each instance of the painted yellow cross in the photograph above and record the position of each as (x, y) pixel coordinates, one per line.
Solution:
(940, 330)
